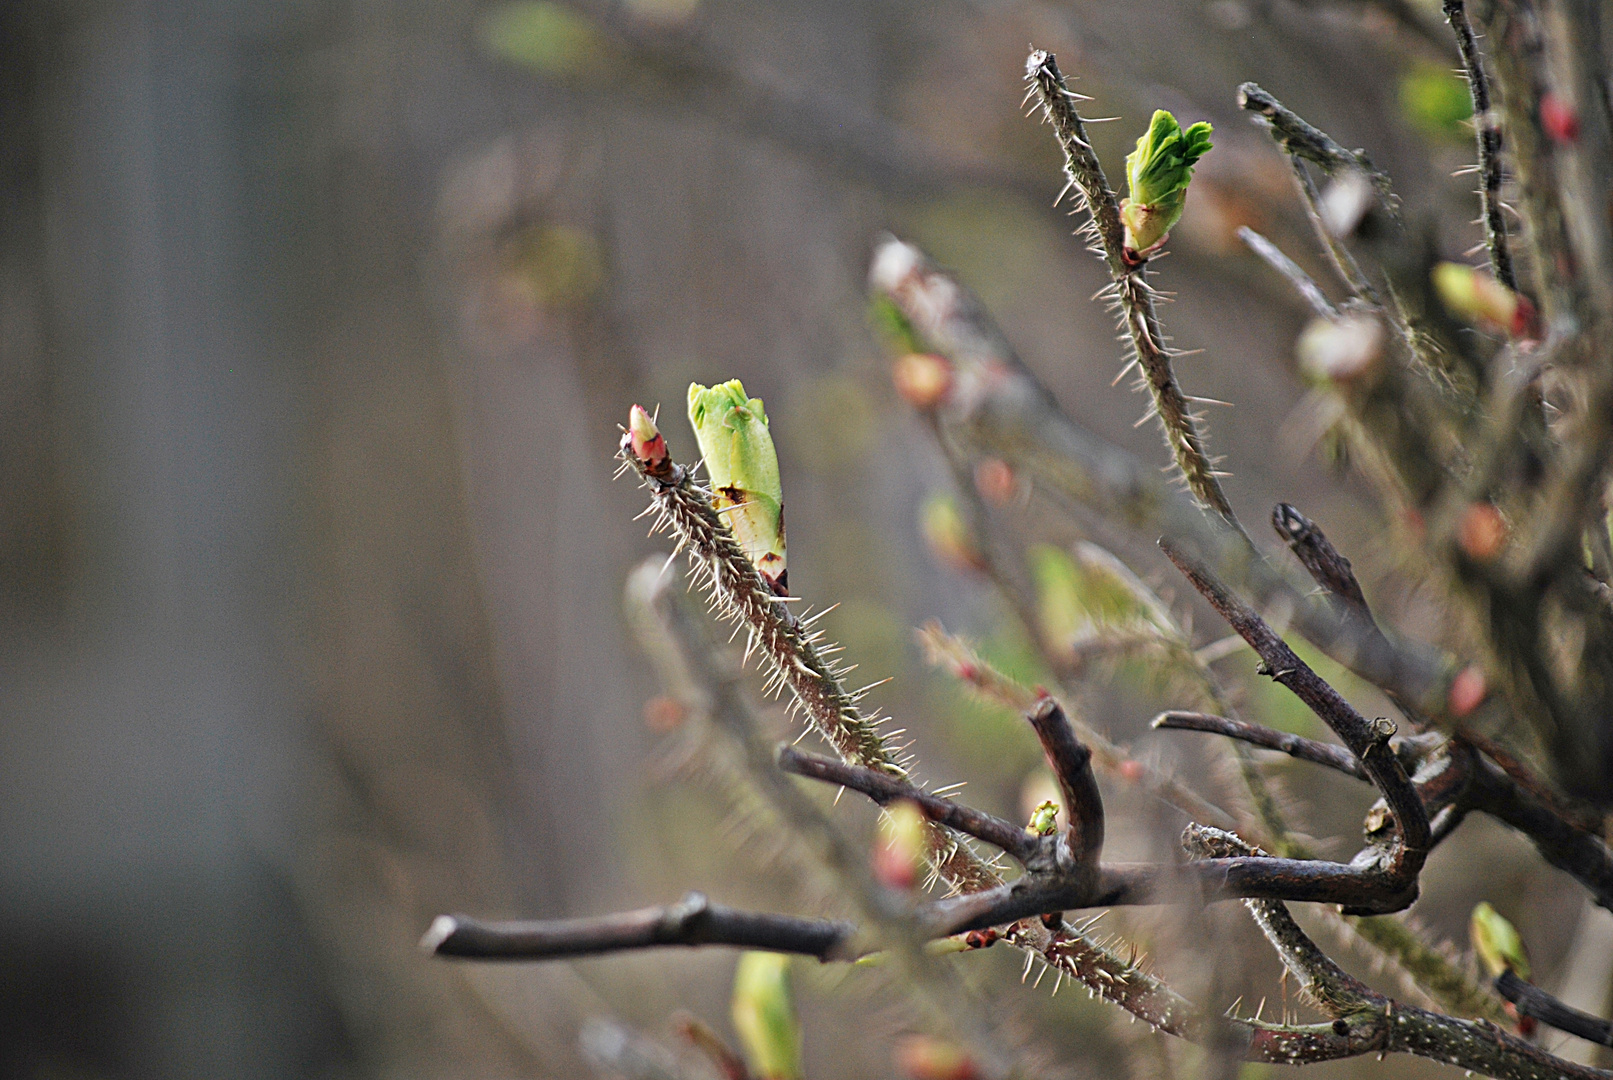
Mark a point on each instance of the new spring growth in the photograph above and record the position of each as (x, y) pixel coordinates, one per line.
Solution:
(643, 439)
(764, 1016)
(1157, 175)
(948, 535)
(1497, 942)
(743, 469)
(1479, 300)
(1044, 819)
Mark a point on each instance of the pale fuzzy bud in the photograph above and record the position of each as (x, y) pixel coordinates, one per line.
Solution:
(1467, 691)
(1479, 300)
(923, 379)
(1482, 532)
(1346, 350)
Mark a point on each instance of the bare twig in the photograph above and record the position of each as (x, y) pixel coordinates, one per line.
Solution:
(1129, 286)
(1334, 757)
(1300, 139)
(1368, 742)
(1530, 1000)
(1319, 557)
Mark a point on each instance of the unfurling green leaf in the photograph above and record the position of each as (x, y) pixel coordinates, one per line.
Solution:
(1157, 173)
(1044, 819)
(764, 1016)
(742, 466)
(1497, 942)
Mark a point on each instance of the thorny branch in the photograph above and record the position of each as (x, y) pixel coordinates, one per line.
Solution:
(1129, 286)
(1487, 131)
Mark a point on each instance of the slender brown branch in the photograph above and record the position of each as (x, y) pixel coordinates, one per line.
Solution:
(1082, 841)
(1530, 1000)
(1300, 139)
(692, 921)
(1487, 131)
(1320, 558)
(1368, 742)
(884, 789)
(1273, 256)
(1130, 288)
(1297, 746)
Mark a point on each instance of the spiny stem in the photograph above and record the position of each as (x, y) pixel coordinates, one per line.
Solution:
(1487, 131)
(1132, 292)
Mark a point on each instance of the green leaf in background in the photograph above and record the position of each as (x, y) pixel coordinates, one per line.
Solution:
(1086, 589)
(1158, 173)
(1435, 100)
(742, 465)
(546, 37)
(764, 1016)
(1497, 942)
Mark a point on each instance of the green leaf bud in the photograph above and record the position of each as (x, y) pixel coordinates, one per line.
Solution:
(1044, 819)
(1157, 174)
(742, 466)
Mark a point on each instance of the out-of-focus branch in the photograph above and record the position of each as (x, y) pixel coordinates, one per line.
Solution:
(1129, 286)
(996, 406)
(1487, 131)
(690, 922)
(1273, 256)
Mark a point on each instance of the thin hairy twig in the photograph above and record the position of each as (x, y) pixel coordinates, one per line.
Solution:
(1487, 131)
(1302, 140)
(1130, 288)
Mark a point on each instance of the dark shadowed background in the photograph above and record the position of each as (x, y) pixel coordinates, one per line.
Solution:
(317, 318)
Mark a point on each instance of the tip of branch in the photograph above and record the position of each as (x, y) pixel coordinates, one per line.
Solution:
(442, 928)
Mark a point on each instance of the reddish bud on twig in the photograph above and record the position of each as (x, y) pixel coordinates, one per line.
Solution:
(1559, 120)
(923, 379)
(923, 1057)
(663, 713)
(1467, 691)
(902, 845)
(643, 439)
(995, 481)
(1482, 532)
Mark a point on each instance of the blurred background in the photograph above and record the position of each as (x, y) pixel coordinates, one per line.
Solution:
(317, 318)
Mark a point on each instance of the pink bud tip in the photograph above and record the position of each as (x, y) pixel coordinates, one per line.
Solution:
(643, 438)
(1467, 691)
